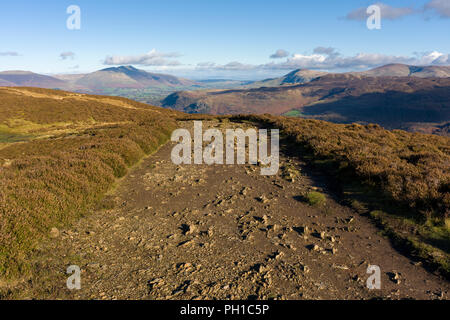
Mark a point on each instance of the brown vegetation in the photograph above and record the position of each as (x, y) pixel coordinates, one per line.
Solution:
(54, 178)
(407, 175)
(393, 102)
(61, 152)
(411, 168)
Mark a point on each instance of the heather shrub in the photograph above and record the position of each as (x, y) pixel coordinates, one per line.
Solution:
(410, 168)
(51, 181)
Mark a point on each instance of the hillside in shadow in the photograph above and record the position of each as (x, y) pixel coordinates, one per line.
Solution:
(391, 109)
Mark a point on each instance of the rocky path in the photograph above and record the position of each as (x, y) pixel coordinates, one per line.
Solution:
(224, 232)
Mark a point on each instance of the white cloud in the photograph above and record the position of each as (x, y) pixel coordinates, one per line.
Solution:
(325, 58)
(237, 66)
(387, 12)
(433, 58)
(326, 50)
(67, 55)
(280, 53)
(206, 64)
(234, 65)
(358, 61)
(321, 58)
(329, 59)
(9, 53)
(308, 59)
(441, 7)
(152, 58)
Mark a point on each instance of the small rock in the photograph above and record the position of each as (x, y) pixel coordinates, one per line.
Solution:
(54, 233)
(394, 277)
(262, 199)
(276, 227)
(243, 191)
(314, 247)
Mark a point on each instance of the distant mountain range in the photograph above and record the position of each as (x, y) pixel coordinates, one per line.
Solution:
(294, 77)
(395, 95)
(125, 77)
(128, 77)
(391, 70)
(413, 102)
(125, 81)
(403, 70)
(28, 79)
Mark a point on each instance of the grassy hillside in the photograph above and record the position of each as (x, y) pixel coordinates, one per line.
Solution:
(409, 103)
(59, 154)
(401, 179)
(30, 79)
(295, 77)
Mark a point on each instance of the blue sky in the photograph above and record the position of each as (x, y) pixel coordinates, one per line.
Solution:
(221, 38)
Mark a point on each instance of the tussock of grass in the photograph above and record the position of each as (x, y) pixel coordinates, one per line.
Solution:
(315, 198)
(50, 182)
(358, 206)
(290, 172)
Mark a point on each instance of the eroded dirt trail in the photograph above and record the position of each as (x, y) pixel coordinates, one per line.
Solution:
(225, 232)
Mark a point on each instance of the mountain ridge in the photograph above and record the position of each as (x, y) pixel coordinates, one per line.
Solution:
(29, 79)
(299, 76)
(393, 102)
(130, 77)
(114, 77)
(404, 70)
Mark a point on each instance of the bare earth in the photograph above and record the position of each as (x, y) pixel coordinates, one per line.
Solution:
(224, 232)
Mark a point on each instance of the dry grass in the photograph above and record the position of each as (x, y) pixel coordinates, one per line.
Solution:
(413, 169)
(83, 146)
(405, 174)
(316, 198)
(61, 152)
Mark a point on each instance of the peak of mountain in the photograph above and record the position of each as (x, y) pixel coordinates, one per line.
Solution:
(128, 70)
(395, 102)
(297, 76)
(120, 69)
(403, 70)
(301, 76)
(129, 77)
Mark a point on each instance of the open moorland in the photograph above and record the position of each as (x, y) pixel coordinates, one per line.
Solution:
(78, 187)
